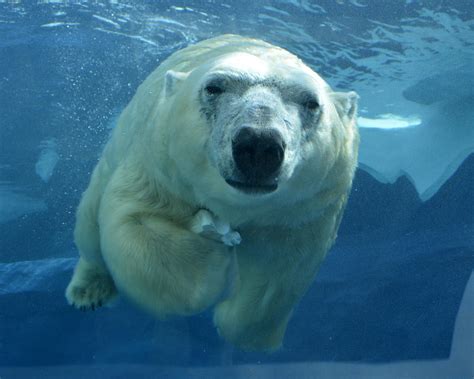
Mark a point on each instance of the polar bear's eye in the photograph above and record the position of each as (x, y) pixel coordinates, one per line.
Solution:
(312, 105)
(308, 101)
(214, 90)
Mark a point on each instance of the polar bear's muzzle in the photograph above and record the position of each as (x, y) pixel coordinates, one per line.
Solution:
(258, 155)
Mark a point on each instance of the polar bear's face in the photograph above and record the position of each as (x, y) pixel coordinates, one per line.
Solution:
(258, 122)
(266, 122)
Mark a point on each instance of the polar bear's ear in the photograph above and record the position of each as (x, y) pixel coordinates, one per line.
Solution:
(172, 79)
(346, 103)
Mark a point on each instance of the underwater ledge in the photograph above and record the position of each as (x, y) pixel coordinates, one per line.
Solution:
(459, 365)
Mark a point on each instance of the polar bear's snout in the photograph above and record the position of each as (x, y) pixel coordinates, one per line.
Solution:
(258, 155)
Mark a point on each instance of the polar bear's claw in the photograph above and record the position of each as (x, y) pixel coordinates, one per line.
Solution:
(91, 297)
(90, 288)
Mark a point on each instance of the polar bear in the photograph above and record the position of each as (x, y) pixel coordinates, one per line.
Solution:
(222, 185)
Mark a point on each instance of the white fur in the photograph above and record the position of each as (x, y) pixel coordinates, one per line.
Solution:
(140, 226)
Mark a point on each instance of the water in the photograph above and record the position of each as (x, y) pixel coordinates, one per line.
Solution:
(391, 290)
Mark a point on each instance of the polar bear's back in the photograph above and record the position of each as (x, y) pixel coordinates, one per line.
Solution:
(209, 50)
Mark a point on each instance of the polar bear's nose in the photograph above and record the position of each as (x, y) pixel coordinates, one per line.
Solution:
(258, 153)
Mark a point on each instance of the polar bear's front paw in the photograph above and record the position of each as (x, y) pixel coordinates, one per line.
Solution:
(209, 226)
(90, 288)
(90, 296)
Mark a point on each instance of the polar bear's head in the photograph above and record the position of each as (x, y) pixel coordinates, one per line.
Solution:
(253, 127)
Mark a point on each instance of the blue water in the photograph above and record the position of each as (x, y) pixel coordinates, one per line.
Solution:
(391, 300)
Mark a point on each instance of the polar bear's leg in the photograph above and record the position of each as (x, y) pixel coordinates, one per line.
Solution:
(273, 281)
(257, 316)
(86, 231)
(165, 268)
(159, 262)
(91, 286)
